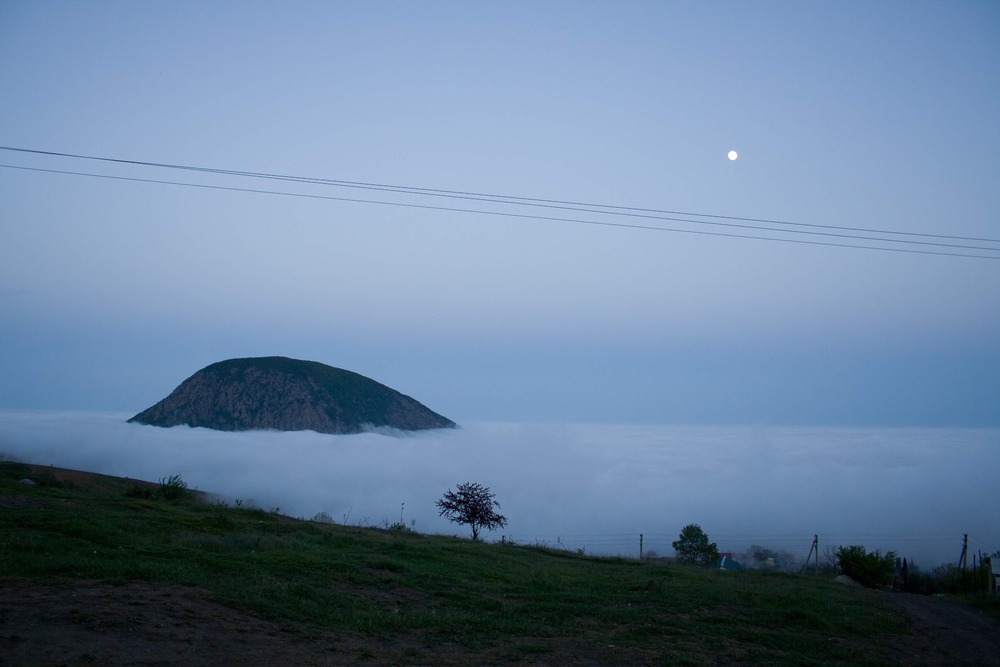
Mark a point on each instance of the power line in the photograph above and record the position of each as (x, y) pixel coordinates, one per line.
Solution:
(494, 198)
(536, 217)
(514, 215)
(402, 190)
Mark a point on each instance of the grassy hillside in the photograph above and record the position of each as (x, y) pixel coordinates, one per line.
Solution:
(423, 594)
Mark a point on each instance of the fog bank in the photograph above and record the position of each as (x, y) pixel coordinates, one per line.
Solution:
(581, 486)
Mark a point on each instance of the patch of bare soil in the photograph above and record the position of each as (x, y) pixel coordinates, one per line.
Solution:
(138, 623)
(168, 625)
(946, 633)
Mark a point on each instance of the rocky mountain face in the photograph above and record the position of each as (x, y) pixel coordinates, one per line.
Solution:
(287, 395)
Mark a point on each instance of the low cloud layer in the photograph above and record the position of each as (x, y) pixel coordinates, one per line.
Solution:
(595, 487)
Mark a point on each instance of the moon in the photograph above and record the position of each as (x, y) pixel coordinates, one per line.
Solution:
(733, 155)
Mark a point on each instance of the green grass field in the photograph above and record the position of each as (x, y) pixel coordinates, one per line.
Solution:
(515, 602)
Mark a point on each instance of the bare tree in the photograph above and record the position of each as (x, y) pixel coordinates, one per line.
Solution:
(472, 504)
(830, 557)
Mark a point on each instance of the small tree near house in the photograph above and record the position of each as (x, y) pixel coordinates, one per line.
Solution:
(693, 548)
(473, 504)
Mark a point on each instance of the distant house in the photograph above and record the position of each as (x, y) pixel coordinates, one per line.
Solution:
(994, 573)
(728, 563)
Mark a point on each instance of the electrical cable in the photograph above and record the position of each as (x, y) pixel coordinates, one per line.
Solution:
(494, 198)
(504, 199)
(535, 217)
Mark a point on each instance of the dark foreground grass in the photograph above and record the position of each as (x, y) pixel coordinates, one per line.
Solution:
(315, 578)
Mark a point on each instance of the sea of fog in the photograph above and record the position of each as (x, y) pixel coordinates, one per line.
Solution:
(578, 486)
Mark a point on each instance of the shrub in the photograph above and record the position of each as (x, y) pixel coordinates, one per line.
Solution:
(872, 570)
(173, 487)
(398, 527)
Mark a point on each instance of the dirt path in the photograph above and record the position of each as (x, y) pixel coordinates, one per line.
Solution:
(947, 633)
(168, 625)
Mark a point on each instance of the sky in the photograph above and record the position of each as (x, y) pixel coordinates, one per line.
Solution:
(595, 487)
(847, 117)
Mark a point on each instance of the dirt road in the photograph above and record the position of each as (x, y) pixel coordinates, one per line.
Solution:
(141, 623)
(946, 633)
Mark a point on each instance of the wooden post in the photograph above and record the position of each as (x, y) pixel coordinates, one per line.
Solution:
(963, 561)
(640, 546)
(980, 572)
(813, 547)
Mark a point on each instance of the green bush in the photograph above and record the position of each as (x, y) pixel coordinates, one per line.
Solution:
(173, 487)
(398, 527)
(872, 570)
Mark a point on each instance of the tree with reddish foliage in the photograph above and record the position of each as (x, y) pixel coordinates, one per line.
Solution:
(472, 504)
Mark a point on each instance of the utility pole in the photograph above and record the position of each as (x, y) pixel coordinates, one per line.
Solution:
(816, 555)
(963, 561)
(980, 572)
(813, 548)
(640, 546)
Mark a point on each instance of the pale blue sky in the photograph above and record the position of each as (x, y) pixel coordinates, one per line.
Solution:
(869, 115)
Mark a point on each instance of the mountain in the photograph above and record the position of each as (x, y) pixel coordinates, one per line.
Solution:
(287, 395)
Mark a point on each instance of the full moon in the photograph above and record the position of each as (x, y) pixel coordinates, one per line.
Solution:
(733, 155)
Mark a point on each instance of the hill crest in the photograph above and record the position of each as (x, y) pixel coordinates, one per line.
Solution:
(279, 393)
